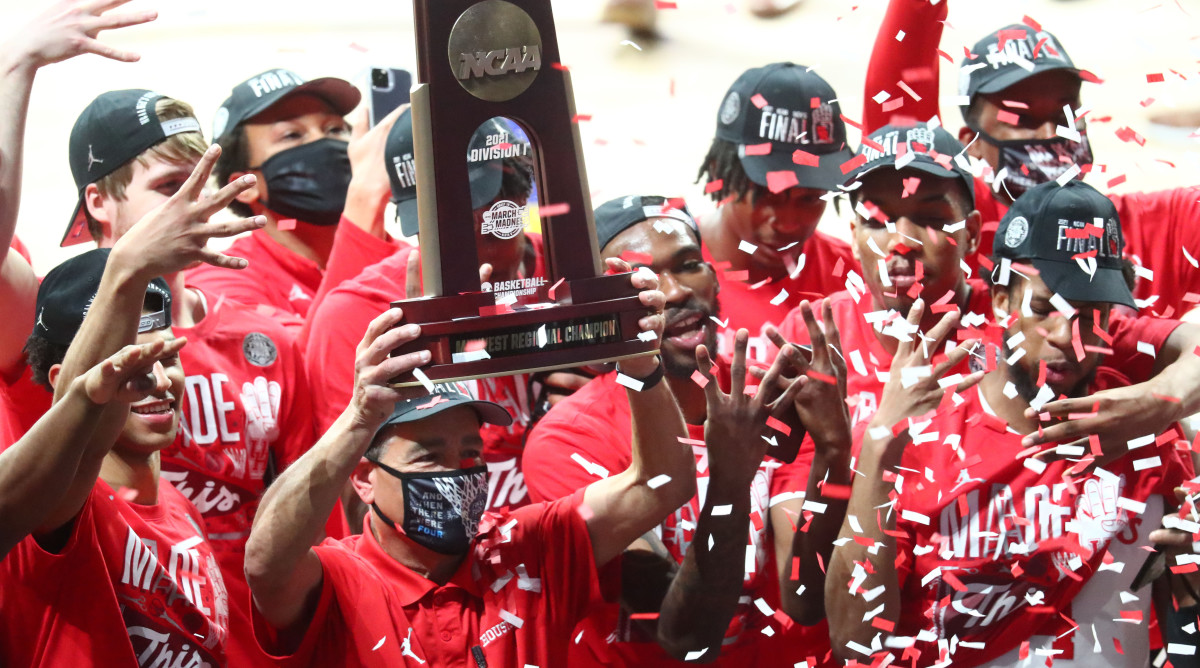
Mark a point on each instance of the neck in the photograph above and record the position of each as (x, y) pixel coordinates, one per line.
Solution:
(1011, 410)
(188, 307)
(962, 298)
(428, 564)
(723, 244)
(690, 398)
(313, 242)
(135, 472)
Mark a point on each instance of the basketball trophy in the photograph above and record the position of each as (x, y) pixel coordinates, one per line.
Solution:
(478, 60)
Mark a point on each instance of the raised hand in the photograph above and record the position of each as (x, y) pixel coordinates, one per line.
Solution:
(654, 300)
(129, 375)
(374, 397)
(369, 189)
(737, 421)
(175, 236)
(915, 384)
(70, 28)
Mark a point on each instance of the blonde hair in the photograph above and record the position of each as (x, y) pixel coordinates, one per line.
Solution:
(182, 148)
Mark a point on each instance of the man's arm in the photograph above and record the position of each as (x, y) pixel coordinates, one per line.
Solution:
(32, 470)
(282, 569)
(913, 61)
(66, 30)
(625, 506)
(703, 596)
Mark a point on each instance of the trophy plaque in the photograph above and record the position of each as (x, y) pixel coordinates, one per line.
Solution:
(478, 60)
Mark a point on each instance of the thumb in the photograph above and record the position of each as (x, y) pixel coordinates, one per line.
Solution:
(360, 122)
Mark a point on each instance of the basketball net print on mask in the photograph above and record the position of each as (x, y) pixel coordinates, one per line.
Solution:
(1026, 163)
(442, 509)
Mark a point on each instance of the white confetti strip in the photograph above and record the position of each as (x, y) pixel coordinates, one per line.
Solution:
(1191, 260)
(590, 467)
(913, 516)
(1180, 648)
(747, 247)
(1135, 507)
(1035, 465)
(722, 510)
(659, 480)
(1069, 450)
(632, 383)
(423, 379)
(1146, 348)
(763, 607)
(647, 336)
(1147, 463)
(511, 618)
(501, 581)
(779, 298)
(693, 655)
(1062, 305)
(470, 356)
(751, 562)
(1141, 441)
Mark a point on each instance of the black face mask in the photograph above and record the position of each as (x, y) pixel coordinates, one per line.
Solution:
(309, 182)
(1045, 159)
(441, 510)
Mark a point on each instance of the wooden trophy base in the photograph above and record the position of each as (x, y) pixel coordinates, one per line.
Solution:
(576, 323)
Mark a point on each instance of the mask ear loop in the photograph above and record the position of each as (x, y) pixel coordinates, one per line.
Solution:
(375, 507)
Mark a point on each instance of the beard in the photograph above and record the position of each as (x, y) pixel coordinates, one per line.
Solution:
(681, 364)
(1027, 387)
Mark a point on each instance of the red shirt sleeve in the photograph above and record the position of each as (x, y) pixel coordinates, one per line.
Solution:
(572, 428)
(1126, 333)
(1156, 226)
(323, 629)
(913, 61)
(562, 545)
(329, 355)
(353, 250)
(22, 403)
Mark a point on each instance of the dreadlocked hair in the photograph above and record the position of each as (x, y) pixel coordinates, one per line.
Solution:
(723, 164)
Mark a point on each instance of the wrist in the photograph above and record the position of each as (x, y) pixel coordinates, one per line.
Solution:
(648, 370)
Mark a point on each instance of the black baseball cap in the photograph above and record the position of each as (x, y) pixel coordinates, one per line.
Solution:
(617, 215)
(933, 151)
(115, 128)
(793, 109)
(68, 290)
(261, 91)
(1010, 55)
(447, 395)
(493, 141)
(1052, 225)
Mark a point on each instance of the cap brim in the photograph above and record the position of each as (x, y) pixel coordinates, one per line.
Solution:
(77, 231)
(1019, 74)
(1074, 284)
(926, 166)
(826, 175)
(488, 412)
(410, 222)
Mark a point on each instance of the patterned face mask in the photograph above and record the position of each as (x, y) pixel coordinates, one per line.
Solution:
(441, 510)
(1030, 162)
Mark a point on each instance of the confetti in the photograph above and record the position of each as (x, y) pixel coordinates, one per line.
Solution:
(747, 247)
(720, 511)
(595, 469)
(716, 186)
(630, 382)
(511, 618)
(423, 379)
(756, 149)
(551, 210)
(286, 224)
(780, 181)
(804, 158)
(658, 481)
(758, 100)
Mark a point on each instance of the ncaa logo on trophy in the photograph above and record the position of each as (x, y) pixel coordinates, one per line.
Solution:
(489, 90)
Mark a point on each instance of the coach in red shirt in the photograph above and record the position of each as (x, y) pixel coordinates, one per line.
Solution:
(432, 580)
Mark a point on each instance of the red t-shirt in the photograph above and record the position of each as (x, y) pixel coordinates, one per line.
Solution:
(1156, 225)
(22, 403)
(135, 585)
(336, 330)
(275, 277)
(750, 306)
(247, 403)
(866, 358)
(593, 425)
(529, 578)
(992, 551)
(353, 250)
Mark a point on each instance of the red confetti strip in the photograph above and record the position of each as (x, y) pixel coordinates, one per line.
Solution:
(839, 268)
(832, 491)
(778, 182)
(757, 149)
(1037, 27)
(665, 4)
(805, 158)
(866, 141)
(580, 118)
(552, 210)
(883, 624)
(713, 186)
(555, 287)
(778, 425)
(742, 275)
(1007, 117)
(1004, 35)
(286, 224)
(1154, 77)
(758, 100)
(852, 123)
(854, 163)
(816, 375)
(699, 379)
(560, 67)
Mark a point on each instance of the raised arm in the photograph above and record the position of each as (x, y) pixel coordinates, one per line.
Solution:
(703, 596)
(65, 30)
(32, 470)
(625, 506)
(866, 558)
(913, 61)
(282, 569)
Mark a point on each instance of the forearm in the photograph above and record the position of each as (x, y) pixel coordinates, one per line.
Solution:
(913, 61)
(296, 506)
(365, 206)
(1179, 375)
(657, 426)
(16, 84)
(802, 588)
(848, 585)
(703, 596)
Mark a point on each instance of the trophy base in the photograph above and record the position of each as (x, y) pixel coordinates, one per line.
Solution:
(467, 339)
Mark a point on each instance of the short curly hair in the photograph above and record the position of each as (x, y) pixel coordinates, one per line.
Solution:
(40, 355)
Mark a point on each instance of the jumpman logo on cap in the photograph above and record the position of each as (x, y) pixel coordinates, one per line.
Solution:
(92, 159)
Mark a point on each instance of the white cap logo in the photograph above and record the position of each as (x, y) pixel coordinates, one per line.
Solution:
(732, 108)
(1017, 230)
(219, 122)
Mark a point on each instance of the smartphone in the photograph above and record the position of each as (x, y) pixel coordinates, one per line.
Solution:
(388, 88)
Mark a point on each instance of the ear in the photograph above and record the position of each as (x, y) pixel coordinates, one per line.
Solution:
(1000, 300)
(854, 239)
(96, 203)
(974, 231)
(966, 136)
(52, 374)
(363, 481)
(253, 193)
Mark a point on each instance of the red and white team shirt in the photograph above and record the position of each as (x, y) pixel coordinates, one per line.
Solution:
(22, 403)
(247, 408)
(587, 436)
(744, 305)
(529, 578)
(992, 547)
(1159, 227)
(275, 277)
(135, 585)
(867, 362)
(335, 330)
